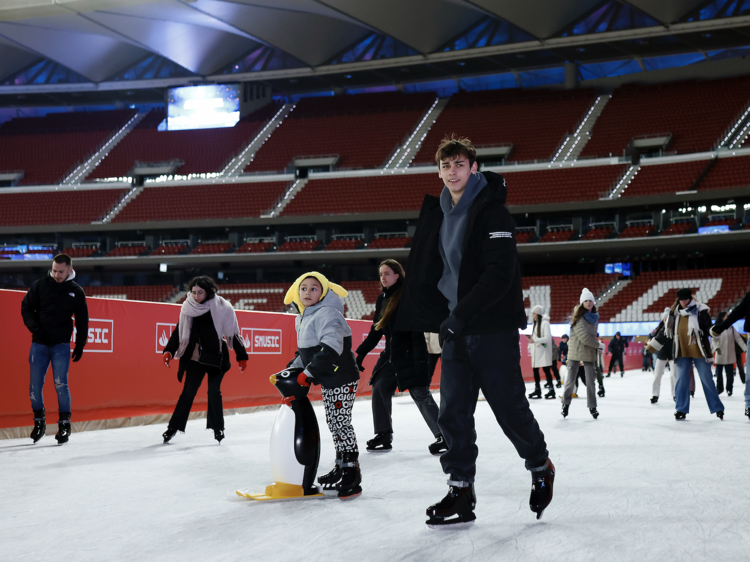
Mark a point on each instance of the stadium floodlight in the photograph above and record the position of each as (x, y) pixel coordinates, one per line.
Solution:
(163, 267)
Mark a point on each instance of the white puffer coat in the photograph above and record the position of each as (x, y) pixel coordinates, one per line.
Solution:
(541, 346)
(725, 344)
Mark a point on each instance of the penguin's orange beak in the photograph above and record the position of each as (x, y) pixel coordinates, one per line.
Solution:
(273, 380)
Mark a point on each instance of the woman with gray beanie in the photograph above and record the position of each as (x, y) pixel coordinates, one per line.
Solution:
(583, 346)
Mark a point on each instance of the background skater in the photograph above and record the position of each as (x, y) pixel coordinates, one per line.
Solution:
(465, 283)
(47, 309)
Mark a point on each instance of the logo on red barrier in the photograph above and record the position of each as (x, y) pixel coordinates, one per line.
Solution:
(101, 336)
(378, 348)
(163, 332)
(262, 341)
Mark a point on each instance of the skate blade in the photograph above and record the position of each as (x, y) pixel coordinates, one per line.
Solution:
(269, 499)
(379, 450)
(353, 496)
(449, 525)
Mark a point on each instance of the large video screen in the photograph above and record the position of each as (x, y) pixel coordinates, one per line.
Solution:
(203, 107)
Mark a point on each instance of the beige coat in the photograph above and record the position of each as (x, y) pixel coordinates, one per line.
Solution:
(433, 343)
(723, 347)
(541, 348)
(583, 344)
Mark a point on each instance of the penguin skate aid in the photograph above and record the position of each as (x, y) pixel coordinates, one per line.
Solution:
(324, 357)
(472, 297)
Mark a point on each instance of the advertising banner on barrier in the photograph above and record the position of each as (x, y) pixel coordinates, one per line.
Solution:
(121, 373)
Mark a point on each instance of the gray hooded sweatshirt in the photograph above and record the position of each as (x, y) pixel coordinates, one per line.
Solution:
(452, 235)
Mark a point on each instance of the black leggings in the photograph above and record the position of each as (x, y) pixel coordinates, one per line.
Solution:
(547, 373)
(555, 372)
(193, 379)
(729, 370)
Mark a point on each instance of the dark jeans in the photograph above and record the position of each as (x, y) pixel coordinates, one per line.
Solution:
(729, 370)
(432, 359)
(492, 363)
(383, 388)
(613, 363)
(40, 358)
(193, 379)
(547, 373)
(555, 371)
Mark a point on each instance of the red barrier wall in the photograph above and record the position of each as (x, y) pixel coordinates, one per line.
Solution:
(121, 373)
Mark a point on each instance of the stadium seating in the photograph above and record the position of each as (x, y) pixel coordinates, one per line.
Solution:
(534, 121)
(665, 178)
(525, 236)
(727, 173)
(48, 148)
(201, 150)
(557, 185)
(345, 244)
(646, 296)
(695, 113)
(558, 235)
(57, 207)
(153, 293)
(299, 246)
(396, 241)
(212, 248)
(168, 248)
(730, 222)
(254, 247)
(195, 202)
(81, 251)
(336, 125)
(360, 303)
(137, 250)
(559, 294)
(598, 233)
(638, 231)
(678, 227)
(267, 297)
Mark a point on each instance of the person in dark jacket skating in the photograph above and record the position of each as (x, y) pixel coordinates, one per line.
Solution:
(402, 364)
(205, 333)
(465, 283)
(47, 309)
(740, 311)
(617, 347)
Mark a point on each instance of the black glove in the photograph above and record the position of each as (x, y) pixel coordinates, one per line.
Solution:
(296, 354)
(450, 329)
(360, 361)
(77, 353)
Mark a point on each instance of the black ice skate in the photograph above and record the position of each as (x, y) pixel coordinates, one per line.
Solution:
(679, 415)
(594, 412)
(351, 478)
(40, 425)
(601, 392)
(438, 447)
(456, 509)
(654, 399)
(720, 415)
(537, 392)
(167, 435)
(550, 394)
(328, 481)
(381, 443)
(747, 412)
(565, 410)
(63, 428)
(219, 435)
(542, 479)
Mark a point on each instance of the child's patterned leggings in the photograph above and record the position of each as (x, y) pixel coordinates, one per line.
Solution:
(338, 404)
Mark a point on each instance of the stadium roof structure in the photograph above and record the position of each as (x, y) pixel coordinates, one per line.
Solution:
(55, 49)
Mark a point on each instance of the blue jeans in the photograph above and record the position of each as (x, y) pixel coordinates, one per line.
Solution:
(40, 358)
(490, 362)
(682, 388)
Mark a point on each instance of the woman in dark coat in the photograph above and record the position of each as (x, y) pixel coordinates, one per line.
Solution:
(207, 323)
(402, 364)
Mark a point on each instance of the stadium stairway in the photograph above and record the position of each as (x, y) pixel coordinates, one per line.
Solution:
(574, 144)
(404, 154)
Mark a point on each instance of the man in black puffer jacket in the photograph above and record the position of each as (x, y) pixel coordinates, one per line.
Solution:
(465, 284)
(617, 347)
(740, 311)
(47, 310)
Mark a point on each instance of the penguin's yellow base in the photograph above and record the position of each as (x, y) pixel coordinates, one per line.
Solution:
(281, 491)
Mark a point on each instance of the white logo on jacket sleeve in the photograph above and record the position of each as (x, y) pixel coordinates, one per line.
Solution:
(501, 235)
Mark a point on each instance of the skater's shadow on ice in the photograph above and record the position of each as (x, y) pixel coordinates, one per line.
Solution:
(130, 455)
(26, 446)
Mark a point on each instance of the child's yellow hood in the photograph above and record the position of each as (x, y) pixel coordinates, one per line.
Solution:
(292, 295)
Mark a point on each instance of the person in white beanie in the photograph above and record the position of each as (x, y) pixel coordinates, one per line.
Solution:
(663, 357)
(540, 347)
(583, 347)
(725, 355)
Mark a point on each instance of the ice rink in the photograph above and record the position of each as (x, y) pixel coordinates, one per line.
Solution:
(633, 485)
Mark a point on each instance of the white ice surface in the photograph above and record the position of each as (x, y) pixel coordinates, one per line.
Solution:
(633, 485)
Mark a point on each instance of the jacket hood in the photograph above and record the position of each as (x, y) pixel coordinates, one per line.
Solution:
(496, 185)
(331, 300)
(70, 277)
(292, 295)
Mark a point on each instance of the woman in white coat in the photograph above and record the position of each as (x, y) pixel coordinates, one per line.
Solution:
(540, 347)
(725, 355)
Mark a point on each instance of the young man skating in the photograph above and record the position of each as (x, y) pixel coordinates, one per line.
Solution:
(464, 283)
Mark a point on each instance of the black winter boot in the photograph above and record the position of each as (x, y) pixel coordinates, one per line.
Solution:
(351, 478)
(542, 479)
(381, 443)
(63, 428)
(40, 425)
(328, 481)
(537, 392)
(438, 447)
(456, 507)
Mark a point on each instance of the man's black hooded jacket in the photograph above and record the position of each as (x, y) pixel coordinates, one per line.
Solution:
(490, 297)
